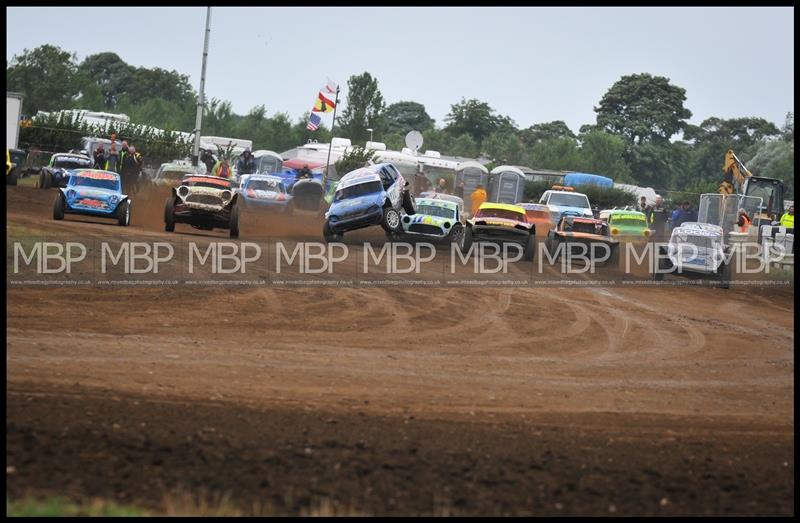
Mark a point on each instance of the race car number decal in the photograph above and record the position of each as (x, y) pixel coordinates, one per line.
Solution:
(96, 175)
(90, 202)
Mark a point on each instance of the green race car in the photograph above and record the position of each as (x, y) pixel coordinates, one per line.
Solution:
(627, 225)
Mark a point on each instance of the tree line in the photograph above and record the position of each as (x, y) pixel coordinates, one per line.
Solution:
(641, 135)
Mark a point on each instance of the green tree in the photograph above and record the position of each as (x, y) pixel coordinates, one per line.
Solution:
(643, 108)
(364, 107)
(604, 154)
(787, 131)
(558, 153)
(738, 133)
(546, 131)
(464, 145)
(775, 159)
(394, 141)
(714, 136)
(355, 158)
(658, 165)
(110, 73)
(46, 76)
(504, 147)
(90, 96)
(402, 117)
(169, 85)
(438, 140)
(476, 119)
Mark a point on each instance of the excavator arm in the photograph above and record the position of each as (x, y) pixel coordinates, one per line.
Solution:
(734, 174)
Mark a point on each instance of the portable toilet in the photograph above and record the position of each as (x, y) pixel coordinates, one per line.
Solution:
(472, 174)
(574, 179)
(506, 184)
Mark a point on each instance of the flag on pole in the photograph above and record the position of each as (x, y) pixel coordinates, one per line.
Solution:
(313, 122)
(323, 103)
(330, 87)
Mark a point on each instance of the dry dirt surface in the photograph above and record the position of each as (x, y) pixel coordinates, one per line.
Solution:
(395, 400)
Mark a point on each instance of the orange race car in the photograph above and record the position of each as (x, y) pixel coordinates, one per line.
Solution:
(539, 215)
(572, 231)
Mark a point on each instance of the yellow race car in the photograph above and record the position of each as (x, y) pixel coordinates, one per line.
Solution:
(11, 170)
(502, 223)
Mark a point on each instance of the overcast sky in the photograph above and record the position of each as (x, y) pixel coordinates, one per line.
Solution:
(532, 64)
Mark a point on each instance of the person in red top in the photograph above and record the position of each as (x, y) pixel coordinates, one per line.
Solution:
(743, 221)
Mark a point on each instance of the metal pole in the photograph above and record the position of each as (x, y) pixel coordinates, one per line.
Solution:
(201, 99)
(328, 161)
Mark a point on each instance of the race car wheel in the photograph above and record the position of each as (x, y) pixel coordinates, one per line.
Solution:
(725, 276)
(466, 243)
(169, 215)
(58, 206)
(234, 221)
(457, 235)
(552, 245)
(662, 265)
(329, 235)
(124, 213)
(613, 260)
(47, 180)
(11, 179)
(391, 220)
(409, 204)
(530, 248)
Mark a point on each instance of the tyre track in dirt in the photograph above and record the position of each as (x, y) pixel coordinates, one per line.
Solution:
(644, 364)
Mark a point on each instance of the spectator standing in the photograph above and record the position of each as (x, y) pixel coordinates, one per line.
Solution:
(246, 163)
(478, 197)
(100, 157)
(685, 214)
(222, 169)
(112, 158)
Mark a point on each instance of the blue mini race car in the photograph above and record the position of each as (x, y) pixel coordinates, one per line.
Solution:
(94, 193)
(372, 195)
(267, 192)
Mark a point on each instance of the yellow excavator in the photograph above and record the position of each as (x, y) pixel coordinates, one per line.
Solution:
(738, 179)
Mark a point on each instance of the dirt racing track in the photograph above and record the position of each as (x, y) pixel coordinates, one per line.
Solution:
(394, 400)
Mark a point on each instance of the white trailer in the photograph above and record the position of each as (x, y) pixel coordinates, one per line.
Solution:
(13, 114)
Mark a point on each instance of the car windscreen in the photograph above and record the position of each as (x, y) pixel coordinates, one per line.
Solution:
(434, 210)
(268, 165)
(173, 174)
(500, 213)
(588, 228)
(72, 163)
(570, 200)
(99, 183)
(354, 191)
(264, 185)
(629, 222)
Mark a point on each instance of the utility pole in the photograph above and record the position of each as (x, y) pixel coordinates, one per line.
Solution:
(201, 99)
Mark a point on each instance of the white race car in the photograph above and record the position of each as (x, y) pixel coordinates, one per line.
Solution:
(695, 250)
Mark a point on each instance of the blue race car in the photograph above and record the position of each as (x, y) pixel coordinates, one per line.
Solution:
(372, 195)
(95, 193)
(267, 192)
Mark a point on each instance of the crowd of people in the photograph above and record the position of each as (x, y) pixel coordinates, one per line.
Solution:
(127, 162)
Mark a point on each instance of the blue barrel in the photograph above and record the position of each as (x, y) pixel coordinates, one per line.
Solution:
(578, 179)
